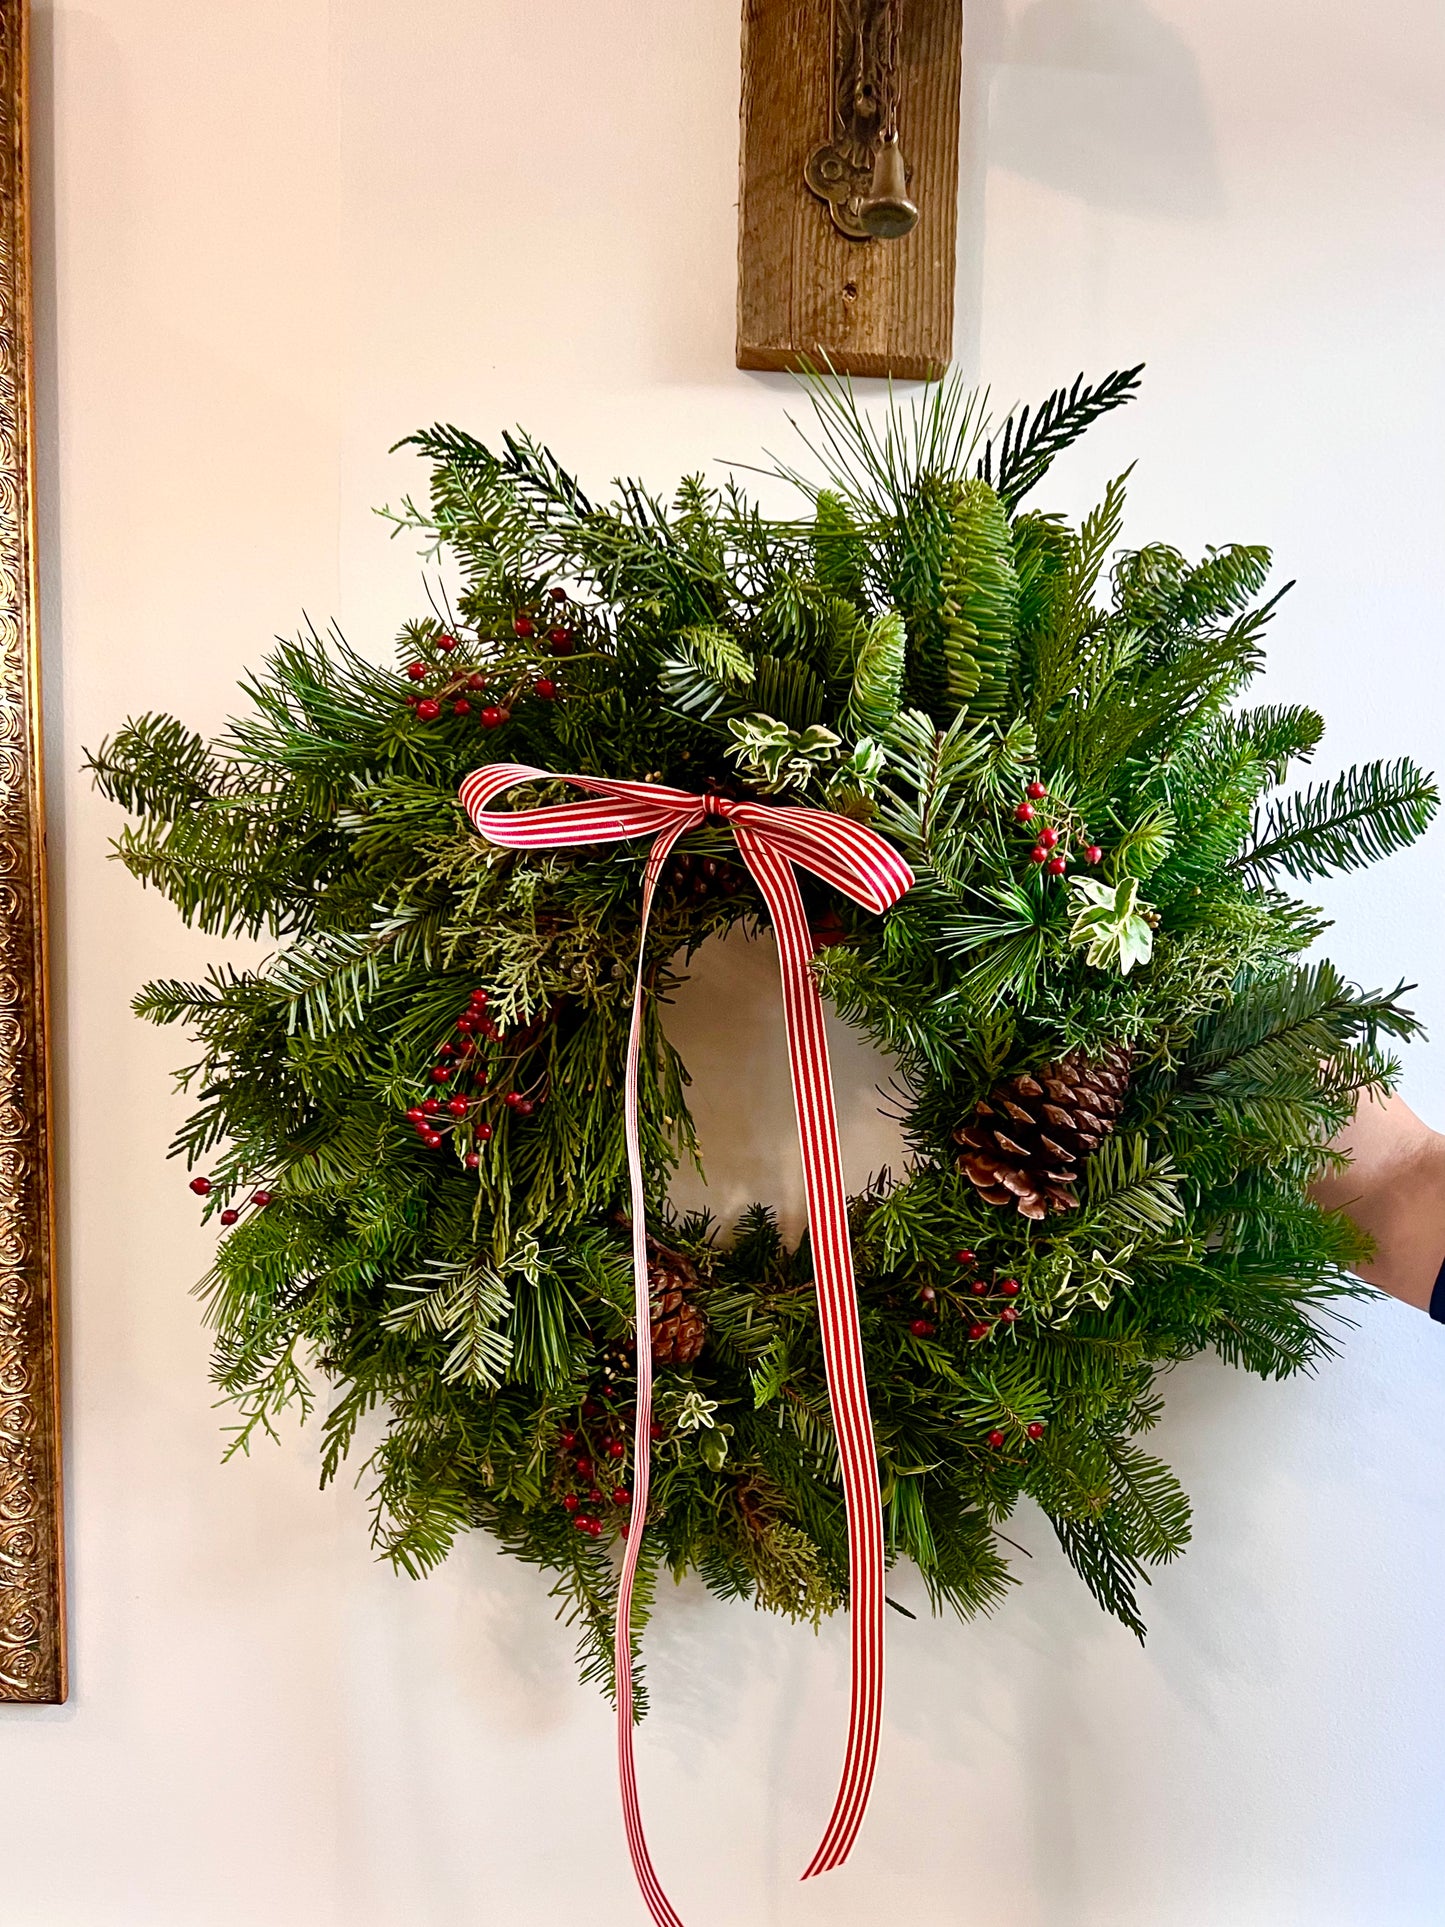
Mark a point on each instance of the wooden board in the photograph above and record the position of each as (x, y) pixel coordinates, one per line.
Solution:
(869, 307)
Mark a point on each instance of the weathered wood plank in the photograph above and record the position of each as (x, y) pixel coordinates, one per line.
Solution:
(869, 307)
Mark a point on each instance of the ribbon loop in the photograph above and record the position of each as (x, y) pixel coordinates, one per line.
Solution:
(771, 839)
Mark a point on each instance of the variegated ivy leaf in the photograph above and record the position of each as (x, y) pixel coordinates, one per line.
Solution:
(695, 1413)
(1111, 919)
(851, 789)
(779, 758)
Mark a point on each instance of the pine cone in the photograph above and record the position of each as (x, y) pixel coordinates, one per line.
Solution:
(679, 1329)
(1029, 1136)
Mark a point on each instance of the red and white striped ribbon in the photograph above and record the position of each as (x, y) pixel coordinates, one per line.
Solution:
(854, 859)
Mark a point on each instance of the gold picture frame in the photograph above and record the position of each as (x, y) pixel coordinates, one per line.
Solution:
(32, 1584)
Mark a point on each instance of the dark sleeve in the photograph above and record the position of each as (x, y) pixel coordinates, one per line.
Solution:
(1437, 1297)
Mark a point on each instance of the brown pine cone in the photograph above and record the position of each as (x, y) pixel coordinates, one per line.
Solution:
(679, 1329)
(1028, 1137)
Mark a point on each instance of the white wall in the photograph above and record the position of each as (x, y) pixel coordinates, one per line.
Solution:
(274, 235)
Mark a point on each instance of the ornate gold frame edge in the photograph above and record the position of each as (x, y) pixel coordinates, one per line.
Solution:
(32, 1585)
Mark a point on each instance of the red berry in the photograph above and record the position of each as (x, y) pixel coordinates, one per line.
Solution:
(526, 1108)
(430, 1106)
(558, 595)
(477, 999)
(656, 1431)
(461, 707)
(505, 714)
(446, 644)
(921, 1327)
(928, 1294)
(261, 1199)
(466, 1023)
(1025, 812)
(417, 671)
(523, 626)
(582, 1523)
(621, 1496)
(458, 1107)
(230, 1217)
(591, 1409)
(1010, 1287)
(995, 1439)
(1056, 866)
(512, 1099)
(584, 1466)
(484, 1131)
(979, 1330)
(432, 1140)
(566, 1440)
(1038, 854)
(616, 1449)
(979, 1288)
(1009, 1315)
(439, 1073)
(201, 1186)
(429, 710)
(491, 717)
(594, 1497)
(963, 1257)
(476, 681)
(471, 1160)
(415, 1114)
(1048, 837)
(571, 1502)
(445, 1050)
(561, 641)
(1035, 1431)
(1093, 854)
(545, 688)
(1036, 789)
(594, 1528)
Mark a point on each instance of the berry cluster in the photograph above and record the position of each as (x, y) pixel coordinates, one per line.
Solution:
(445, 688)
(258, 1200)
(1051, 844)
(435, 1117)
(974, 1298)
(985, 1304)
(593, 1454)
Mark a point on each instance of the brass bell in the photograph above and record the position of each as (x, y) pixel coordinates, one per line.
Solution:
(887, 213)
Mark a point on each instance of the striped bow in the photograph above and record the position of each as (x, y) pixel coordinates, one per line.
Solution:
(854, 859)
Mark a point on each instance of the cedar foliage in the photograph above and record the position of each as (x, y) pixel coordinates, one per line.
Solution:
(918, 647)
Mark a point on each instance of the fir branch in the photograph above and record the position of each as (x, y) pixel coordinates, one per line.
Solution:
(1020, 454)
(1364, 815)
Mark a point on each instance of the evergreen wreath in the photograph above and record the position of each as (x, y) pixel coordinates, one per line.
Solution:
(1118, 1067)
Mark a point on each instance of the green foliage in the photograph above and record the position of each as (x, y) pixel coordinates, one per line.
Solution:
(878, 675)
(980, 603)
(1025, 448)
(1362, 816)
(913, 649)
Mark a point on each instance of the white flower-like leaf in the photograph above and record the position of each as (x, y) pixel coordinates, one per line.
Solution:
(1112, 921)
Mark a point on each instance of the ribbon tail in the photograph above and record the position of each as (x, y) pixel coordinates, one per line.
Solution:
(658, 1904)
(842, 1338)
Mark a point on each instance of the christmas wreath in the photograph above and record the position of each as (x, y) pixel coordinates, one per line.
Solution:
(1120, 1064)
